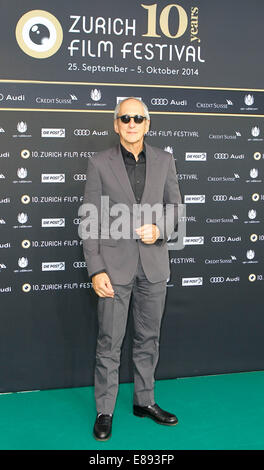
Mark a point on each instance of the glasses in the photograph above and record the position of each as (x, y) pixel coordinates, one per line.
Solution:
(126, 118)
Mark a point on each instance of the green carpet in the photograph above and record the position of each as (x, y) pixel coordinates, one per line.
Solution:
(223, 412)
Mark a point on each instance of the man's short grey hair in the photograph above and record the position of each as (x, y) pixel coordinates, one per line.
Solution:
(117, 108)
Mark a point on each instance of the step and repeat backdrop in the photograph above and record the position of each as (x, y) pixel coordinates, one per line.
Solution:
(64, 65)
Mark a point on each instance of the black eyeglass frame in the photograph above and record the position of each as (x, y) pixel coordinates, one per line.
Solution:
(125, 118)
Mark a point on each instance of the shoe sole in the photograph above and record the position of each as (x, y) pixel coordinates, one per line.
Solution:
(98, 438)
(153, 419)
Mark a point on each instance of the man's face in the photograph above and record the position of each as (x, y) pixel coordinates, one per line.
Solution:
(131, 133)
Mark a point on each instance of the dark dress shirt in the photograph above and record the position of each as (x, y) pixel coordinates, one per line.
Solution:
(136, 171)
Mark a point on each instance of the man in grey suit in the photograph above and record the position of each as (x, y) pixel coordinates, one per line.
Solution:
(140, 182)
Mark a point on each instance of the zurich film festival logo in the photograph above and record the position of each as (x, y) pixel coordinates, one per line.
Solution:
(39, 34)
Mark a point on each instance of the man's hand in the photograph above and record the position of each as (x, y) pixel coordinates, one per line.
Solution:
(148, 233)
(102, 285)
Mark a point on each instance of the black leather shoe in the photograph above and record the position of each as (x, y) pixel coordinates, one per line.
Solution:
(156, 413)
(103, 427)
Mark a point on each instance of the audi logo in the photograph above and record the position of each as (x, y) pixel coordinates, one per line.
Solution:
(82, 132)
(79, 177)
(159, 101)
(221, 156)
(215, 280)
(79, 264)
(220, 197)
(218, 239)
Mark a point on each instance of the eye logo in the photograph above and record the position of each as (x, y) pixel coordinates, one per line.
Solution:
(39, 34)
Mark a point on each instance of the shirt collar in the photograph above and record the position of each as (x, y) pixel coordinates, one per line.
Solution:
(126, 153)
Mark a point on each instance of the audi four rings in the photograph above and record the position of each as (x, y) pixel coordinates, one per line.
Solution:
(220, 197)
(214, 280)
(82, 132)
(79, 264)
(159, 101)
(79, 177)
(219, 239)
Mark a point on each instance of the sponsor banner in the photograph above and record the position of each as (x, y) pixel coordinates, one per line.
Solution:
(53, 266)
(88, 97)
(194, 199)
(53, 178)
(193, 240)
(192, 281)
(53, 133)
(55, 222)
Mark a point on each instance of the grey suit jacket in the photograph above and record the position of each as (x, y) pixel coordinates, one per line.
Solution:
(107, 176)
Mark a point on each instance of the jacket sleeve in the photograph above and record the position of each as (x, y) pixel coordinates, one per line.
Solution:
(89, 228)
(171, 201)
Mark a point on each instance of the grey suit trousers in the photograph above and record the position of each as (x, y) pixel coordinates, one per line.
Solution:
(148, 301)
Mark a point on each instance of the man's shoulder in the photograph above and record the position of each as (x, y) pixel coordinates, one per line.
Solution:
(100, 158)
(104, 154)
(160, 153)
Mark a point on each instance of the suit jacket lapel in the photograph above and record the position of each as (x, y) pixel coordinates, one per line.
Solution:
(119, 169)
(151, 172)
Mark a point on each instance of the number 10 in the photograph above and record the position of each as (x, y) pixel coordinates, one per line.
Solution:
(164, 20)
